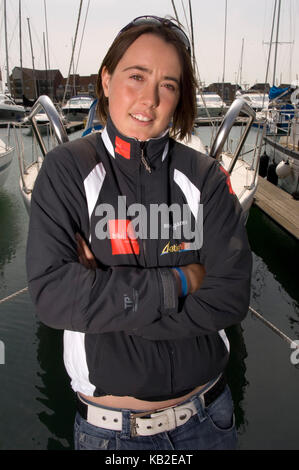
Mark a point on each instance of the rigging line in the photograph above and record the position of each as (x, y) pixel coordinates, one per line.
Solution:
(274, 328)
(76, 68)
(73, 50)
(186, 20)
(175, 12)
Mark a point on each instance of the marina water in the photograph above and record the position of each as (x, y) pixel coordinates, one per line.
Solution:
(36, 402)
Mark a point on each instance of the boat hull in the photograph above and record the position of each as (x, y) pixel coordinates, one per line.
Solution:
(278, 153)
(11, 113)
(5, 164)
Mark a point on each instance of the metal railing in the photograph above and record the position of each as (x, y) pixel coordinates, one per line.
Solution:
(238, 106)
(45, 103)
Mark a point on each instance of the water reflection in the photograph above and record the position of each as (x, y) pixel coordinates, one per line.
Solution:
(279, 251)
(57, 397)
(9, 227)
(235, 373)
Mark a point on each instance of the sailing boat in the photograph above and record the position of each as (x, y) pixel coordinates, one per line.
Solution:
(282, 139)
(9, 110)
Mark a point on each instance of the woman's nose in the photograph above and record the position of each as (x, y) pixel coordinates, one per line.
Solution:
(150, 95)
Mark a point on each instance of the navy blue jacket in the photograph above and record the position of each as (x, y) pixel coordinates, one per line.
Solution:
(126, 331)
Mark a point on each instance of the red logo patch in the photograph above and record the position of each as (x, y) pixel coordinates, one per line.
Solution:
(123, 148)
(123, 238)
(228, 182)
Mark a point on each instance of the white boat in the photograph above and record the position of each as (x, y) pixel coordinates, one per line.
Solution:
(210, 104)
(77, 108)
(243, 174)
(9, 110)
(258, 101)
(6, 156)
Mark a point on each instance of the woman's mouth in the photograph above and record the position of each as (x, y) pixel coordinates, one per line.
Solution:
(141, 117)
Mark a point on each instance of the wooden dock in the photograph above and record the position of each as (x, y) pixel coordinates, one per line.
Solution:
(279, 205)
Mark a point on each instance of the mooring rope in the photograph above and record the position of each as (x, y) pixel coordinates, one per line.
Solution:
(13, 295)
(274, 328)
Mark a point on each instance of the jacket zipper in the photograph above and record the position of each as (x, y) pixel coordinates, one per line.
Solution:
(144, 160)
(170, 353)
(149, 170)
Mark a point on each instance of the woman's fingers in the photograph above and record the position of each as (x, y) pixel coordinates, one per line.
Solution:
(85, 255)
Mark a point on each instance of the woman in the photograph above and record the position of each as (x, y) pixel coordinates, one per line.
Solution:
(143, 305)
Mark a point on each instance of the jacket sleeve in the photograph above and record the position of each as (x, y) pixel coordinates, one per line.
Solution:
(65, 293)
(223, 297)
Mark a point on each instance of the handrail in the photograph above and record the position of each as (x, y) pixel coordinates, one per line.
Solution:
(45, 103)
(238, 106)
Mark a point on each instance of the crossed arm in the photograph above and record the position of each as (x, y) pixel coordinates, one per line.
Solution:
(194, 273)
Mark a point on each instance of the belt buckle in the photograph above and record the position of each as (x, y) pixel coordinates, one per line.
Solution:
(133, 424)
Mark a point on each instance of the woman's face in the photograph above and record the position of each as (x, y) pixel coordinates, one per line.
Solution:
(144, 89)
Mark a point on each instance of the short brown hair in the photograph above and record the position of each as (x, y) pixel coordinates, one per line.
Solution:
(185, 113)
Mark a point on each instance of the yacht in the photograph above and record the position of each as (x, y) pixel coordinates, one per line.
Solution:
(6, 155)
(77, 108)
(281, 154)
(210, 104)
(9, 110)
(258, 101)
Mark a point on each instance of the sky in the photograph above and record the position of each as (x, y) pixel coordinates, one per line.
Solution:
(248, 22)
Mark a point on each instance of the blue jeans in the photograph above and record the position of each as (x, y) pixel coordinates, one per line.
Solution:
(212, 427)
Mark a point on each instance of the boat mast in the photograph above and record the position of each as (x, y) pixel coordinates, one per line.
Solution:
(33, 69)
(6, 50)
(73, 50)
(241, 63)
(45, 54)
(276, 43)
(192, 35)
(269, 54)
(224, 50)
(48, 55)
(20, 41)
(74, 78)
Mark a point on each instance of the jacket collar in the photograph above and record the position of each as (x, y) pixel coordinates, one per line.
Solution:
(128, 150)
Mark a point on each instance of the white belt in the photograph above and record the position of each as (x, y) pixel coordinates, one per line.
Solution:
(163, 420)
(156, 422)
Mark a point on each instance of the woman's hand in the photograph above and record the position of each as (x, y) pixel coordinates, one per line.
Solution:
(194, 273)
(86, 257)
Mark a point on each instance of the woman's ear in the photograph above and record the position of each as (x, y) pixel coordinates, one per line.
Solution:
(105, 81)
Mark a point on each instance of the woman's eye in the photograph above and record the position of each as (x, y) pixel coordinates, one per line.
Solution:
(170, 86)
(136, 77)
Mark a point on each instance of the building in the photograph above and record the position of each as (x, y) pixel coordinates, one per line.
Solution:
(227, 91)
(260, 88)
(77, 85)
(49, 82)
(34, 83)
